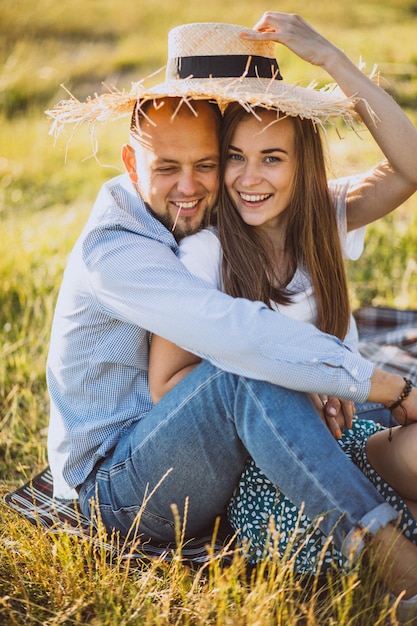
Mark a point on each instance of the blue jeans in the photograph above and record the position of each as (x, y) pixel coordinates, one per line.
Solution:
(376, 412)
(197, 439)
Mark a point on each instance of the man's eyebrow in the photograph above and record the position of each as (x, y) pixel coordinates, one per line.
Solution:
(266, 151)
(165, 160)
(208, 157)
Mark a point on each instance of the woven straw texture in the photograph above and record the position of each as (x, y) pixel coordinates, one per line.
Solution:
(213, 38)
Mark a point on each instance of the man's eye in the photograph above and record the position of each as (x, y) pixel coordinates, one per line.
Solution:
(165, 170)
(208, 167)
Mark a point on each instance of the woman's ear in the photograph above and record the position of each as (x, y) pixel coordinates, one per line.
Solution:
(129, 160)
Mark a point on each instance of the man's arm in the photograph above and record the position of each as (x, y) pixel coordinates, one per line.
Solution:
(140, 280)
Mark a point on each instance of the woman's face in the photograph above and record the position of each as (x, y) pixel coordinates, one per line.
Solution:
(260, 169)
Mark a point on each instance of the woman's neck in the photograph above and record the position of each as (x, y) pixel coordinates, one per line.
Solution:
(274, 242)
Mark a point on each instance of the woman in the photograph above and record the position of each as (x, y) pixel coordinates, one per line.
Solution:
(281, 242)
(276, 219)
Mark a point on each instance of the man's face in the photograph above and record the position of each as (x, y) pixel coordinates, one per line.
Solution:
(174, 164)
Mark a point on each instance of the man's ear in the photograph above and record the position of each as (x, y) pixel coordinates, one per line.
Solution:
(129, 160)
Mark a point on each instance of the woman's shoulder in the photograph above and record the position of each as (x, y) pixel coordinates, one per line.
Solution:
(352, 242)
(339, 187)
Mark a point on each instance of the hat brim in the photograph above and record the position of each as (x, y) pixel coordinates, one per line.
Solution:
(320, 105)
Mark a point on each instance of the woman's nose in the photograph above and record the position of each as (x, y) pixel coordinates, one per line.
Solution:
(250, 175)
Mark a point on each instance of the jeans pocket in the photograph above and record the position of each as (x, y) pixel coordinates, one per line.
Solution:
(138, 522)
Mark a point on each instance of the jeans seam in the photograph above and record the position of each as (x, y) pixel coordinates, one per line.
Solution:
(294, 456)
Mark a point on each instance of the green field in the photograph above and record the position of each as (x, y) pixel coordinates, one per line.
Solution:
(46, 192)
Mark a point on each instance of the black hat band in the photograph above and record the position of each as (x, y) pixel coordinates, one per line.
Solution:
(229, 66)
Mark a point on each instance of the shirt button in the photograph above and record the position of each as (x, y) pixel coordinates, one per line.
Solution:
(354, 371)
(353, 388)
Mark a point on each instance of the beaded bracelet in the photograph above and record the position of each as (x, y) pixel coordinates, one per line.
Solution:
(403, 395)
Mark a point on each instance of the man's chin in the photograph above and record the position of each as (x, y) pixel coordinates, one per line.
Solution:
(182, 227)
(186, 227)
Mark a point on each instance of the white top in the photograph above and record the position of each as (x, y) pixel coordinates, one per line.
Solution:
(201, 254)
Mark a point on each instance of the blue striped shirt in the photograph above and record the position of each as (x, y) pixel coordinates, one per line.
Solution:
(123, 281)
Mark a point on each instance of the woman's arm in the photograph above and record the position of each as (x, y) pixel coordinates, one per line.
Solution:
(168, 364)
(391, 182)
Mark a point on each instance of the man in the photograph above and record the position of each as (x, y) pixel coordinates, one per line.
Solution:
(123, 281)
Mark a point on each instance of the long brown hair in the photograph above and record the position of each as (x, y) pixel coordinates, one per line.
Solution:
(312, 238)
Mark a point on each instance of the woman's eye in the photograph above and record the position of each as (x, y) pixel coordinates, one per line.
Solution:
(235, 157)
(272, 159)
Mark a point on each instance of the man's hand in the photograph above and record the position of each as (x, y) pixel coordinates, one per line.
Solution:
(337, 414)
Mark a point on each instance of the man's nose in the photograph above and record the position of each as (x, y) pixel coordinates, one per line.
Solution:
(187, 183)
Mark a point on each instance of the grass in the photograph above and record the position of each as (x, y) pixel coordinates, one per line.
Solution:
(45, 196)
(60, 579)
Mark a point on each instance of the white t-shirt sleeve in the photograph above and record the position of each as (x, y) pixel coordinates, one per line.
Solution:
(201, 254)
(353, 242)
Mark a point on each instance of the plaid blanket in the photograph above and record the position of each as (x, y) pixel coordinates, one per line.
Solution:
(388, 338)
(34, 500)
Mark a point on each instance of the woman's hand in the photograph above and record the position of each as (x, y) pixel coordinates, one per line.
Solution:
(295, 33)
(337, 414)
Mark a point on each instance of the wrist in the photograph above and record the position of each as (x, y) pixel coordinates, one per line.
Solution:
(349, 77)
(403, 395)
(398, 404)
(385, 387)
(335, 62)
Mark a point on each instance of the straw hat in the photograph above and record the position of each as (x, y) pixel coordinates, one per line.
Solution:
(211, 61)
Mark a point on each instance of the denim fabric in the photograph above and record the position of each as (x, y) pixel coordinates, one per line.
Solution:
(376, 412)
(197, 440)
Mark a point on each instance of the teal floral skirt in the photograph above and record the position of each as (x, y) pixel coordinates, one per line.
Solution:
(269, 524)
